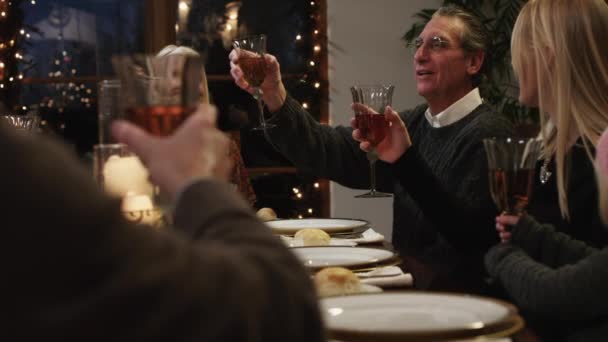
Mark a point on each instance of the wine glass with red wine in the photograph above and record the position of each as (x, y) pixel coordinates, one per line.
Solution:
(511, 165)
(158, 93)
(253, 65)
(372, 124)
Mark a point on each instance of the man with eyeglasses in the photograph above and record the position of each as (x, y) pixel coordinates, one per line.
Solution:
(447, 131)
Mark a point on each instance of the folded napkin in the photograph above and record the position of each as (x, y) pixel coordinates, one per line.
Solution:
(390, 276)
(369, 236)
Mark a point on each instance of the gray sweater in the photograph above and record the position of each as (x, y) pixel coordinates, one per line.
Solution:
(453, 154)
(552, 276)
(73, 269)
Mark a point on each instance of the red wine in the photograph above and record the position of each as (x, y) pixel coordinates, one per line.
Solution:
(373, 127)
(159, 120)
(254, 70)
(511, 190)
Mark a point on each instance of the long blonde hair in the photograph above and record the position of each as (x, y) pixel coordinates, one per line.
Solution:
(601, 173)
(566, 42)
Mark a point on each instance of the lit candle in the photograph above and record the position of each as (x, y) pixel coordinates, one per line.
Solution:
(133, 202)
(124, 175)
(140, 208)
(127, 178)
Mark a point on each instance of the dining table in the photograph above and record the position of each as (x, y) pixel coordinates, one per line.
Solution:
(426, 279)
(416, 282)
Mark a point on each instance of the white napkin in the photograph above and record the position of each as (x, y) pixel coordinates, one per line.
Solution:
(390, 276)
(369, 236)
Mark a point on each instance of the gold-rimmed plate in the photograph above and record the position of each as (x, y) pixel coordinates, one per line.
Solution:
(329, 225)
(350, 257)
(418, 316)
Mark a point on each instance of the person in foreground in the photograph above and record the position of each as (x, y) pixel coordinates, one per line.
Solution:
(76, 270)
(448, 129)
(550, 275)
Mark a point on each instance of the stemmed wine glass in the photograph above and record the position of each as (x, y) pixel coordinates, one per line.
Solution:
(372, 124)
(511, 165)
(157, 92)
(254, 69)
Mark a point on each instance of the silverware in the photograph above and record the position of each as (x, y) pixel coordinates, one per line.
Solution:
(376, 273)
(347, 235)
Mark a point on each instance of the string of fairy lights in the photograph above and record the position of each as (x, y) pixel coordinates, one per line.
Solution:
(70, 92)
(13, 38)
(312, 76)
(14, 64)
(311, 79)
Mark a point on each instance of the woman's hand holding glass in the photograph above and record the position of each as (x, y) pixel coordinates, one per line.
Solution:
(397, 139)
(502, 226)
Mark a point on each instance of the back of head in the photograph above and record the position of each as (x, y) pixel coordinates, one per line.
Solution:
(172, 50)
(474, 36)
(177, 50)
(564, 41)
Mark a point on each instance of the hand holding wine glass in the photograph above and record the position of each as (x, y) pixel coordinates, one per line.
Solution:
(253, 70)
(273, 89)
(169, 159)
(511, 165)
(371, 102)
(502, 226)
(397, 139)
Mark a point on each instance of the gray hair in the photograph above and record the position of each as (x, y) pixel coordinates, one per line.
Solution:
(474, 36)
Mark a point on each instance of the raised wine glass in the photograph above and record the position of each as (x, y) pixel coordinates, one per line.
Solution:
(372, 124)
(254, 69)
(511, 165)
(158, 92)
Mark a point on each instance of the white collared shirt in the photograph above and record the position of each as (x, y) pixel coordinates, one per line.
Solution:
(456, 111)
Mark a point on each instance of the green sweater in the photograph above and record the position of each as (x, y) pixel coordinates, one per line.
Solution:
(552, 276)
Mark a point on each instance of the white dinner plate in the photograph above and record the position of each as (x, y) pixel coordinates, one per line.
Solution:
(291, 242)
(328, 256)
(331, 225)
(417, 316)
(369, 288)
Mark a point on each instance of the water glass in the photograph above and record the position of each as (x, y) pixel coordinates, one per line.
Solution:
(108, 108)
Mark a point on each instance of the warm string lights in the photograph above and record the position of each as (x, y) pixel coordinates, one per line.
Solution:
(312, 77)
(70, 93)
(14, 35)
(303, 196)
(307, 195)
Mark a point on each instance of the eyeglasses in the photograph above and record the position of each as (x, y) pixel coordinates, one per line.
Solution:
(435, 43)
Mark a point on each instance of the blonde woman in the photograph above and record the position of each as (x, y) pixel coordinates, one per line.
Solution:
(239, 175)
(561, 57)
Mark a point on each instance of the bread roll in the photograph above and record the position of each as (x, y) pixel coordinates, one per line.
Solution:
(312, 237)
(266, 214)
(336, 281)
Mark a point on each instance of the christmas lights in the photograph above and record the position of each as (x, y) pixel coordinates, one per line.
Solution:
(13, 61)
